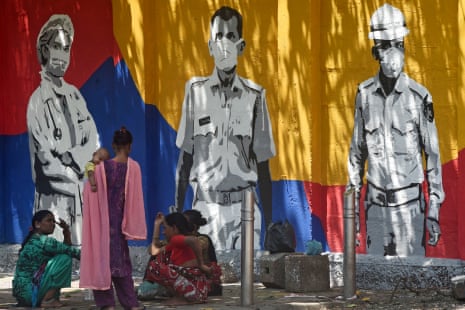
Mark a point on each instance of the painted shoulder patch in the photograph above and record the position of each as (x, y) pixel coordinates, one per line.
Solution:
(428, 110)
(427, 102)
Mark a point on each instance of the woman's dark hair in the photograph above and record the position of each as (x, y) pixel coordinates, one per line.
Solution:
(37, 217)
(122, 137)
(195, 217)
(179, 220)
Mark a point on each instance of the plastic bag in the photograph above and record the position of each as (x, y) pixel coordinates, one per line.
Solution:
(313, 247)
(148, 291)
(280, 237)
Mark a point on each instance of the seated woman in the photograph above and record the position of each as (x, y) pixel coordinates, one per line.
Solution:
(195, 218)
(179, 264)
(44, 265)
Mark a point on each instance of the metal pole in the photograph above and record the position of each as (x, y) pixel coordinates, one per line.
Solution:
(247, 219)
(349, 244)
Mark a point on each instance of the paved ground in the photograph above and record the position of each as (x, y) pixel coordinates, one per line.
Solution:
(271, 299)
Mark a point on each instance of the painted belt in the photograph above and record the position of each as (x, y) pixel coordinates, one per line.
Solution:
(393, 197)
(222, 198)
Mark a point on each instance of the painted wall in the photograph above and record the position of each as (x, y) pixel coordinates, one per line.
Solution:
(131, 59)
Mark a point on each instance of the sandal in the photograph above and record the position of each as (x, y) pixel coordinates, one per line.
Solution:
(51, 303)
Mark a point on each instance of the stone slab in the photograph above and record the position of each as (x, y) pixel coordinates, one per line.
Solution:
(458, 286)
(306, 273)
(413, 272)
(272, 270)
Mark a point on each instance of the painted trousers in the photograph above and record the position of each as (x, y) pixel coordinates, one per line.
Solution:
(224, 224)
(395, 230)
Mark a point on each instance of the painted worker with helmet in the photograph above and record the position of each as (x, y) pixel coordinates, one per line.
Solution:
(394, 126)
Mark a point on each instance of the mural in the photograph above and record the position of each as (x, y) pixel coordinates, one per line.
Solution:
(394, 124)
(130, 60)
(62, 132)
(225, 138)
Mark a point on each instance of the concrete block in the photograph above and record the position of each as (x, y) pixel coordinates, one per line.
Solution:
(306, 273)
(272, 270)
(458, 286)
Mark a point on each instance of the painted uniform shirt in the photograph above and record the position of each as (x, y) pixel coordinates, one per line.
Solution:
(227, 132)
(390, 133)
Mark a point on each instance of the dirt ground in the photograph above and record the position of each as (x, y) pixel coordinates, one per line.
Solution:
(270, 299)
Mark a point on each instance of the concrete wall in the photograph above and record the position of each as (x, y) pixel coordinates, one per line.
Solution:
(131, 60)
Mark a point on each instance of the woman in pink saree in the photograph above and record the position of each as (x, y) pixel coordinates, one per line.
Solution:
(113, 215)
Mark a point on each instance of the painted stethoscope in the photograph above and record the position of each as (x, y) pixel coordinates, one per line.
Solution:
(57, 133)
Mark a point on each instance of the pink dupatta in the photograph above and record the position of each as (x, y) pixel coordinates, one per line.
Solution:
(95, 252)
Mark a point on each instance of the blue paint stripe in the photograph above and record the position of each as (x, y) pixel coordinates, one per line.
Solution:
(17, 188)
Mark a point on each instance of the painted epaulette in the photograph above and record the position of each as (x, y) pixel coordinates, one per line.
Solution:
(251, 85)
(366, 83)
(198, 80)
(417, 88)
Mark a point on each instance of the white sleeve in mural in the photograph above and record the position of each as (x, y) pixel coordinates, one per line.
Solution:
(225, 138)
(62, 133)
(393, 128)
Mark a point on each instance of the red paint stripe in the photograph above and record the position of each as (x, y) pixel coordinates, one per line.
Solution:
(327, 203)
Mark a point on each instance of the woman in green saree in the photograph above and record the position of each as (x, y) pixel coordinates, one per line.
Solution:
(44, 265)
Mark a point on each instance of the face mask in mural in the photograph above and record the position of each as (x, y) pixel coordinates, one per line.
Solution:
(225, 53)
(59, 55)
(392, 61)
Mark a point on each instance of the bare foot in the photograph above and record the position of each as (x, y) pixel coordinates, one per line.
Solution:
(178, 301)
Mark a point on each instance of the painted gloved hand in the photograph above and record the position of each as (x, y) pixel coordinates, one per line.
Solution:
(432, 223)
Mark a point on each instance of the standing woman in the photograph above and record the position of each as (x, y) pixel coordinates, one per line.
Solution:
(113, 215)
(44, 264)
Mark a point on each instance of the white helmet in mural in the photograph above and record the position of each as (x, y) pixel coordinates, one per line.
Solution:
(387, 23)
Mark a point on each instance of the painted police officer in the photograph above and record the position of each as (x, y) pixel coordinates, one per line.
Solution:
(394, 126)
(225, 139)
